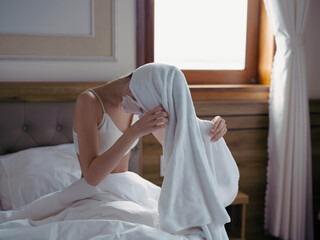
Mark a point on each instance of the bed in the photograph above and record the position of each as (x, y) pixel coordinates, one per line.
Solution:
(43, 196)
(38, 162)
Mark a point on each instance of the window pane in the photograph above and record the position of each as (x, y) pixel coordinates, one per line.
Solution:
(201, 34)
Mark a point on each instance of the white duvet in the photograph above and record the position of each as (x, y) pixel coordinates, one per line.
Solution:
(122, 206)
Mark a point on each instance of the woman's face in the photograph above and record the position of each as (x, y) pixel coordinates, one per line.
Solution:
(130, 104)
(131, 95)
(128, 91)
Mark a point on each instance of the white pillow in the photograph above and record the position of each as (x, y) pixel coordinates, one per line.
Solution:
(35, 172)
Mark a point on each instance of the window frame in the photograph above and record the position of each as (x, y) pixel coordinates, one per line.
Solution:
(249, 75)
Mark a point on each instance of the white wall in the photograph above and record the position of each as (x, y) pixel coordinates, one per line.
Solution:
(126, 45)
(312, 43)
(54, 70)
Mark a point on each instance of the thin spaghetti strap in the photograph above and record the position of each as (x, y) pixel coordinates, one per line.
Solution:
(96, 94)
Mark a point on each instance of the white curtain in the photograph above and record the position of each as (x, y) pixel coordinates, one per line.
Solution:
(288, 212)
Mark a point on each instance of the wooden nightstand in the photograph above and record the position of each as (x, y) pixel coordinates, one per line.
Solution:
(242, 199)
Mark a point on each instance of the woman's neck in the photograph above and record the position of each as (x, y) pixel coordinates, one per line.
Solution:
(115, 90)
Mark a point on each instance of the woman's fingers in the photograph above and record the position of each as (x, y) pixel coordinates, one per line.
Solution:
(156, 127)
(153, 120)
(219, 135)
(219, 128)
(161, 114)
(160, 120)
(155, 110)
(216, 121)
(156, 113)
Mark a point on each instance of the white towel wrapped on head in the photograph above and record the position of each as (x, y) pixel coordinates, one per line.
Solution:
(201, 176)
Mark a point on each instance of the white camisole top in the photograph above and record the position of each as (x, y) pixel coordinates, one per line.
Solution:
(109, 133)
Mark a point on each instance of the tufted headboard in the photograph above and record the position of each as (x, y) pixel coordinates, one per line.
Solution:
(33, 124)
(26, 125)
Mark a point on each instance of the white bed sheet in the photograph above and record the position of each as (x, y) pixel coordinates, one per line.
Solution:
(122, 206)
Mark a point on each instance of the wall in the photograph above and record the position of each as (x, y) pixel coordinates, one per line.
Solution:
(101, 71)
(312, 40)
(28, 70)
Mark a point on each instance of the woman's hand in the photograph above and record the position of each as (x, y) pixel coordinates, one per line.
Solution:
(152, 121)
(219, 128)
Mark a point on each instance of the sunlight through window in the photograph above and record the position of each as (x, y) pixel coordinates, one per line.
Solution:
(201, 34)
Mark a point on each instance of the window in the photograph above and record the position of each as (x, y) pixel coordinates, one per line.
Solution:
(243, 66)
(189, 34)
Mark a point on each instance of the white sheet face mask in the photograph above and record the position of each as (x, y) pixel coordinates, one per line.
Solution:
(131, 106)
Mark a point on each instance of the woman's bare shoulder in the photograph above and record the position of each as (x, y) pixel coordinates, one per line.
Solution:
(86, 107)
(86, 99)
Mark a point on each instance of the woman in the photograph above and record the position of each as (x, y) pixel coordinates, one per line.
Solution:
(104, 133)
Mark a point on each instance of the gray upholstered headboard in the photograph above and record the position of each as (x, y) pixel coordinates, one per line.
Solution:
(35, 124)
(26, 125)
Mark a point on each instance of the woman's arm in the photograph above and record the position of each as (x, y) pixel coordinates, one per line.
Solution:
(159, 135)
(96, 167)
